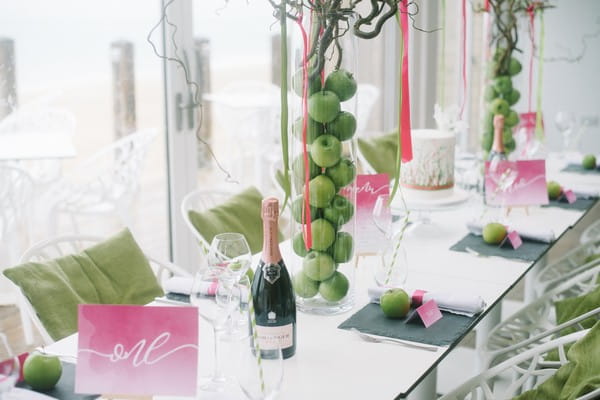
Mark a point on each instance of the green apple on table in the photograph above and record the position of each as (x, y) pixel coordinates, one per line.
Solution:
(322, 191)
(589, 161)
(42, 371)
(318, 266)
(395, 303)
(342, 83)
(326, 151)
(494, 233)
(334, 288)
(342, 248)
(554, 190)
(339, 211)
(343, 126)
(324, 106)
(323, 234)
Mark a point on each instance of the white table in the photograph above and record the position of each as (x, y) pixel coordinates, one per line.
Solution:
(333, 364)
(36, 146)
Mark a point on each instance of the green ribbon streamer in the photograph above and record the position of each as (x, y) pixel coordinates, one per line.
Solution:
(284, 105)
(539, 129)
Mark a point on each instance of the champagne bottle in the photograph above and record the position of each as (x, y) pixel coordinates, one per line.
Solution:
(272, 291)
(498, 153)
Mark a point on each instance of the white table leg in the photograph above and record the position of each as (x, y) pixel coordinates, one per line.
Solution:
(426, 390)
(492, 319)
(529, 284)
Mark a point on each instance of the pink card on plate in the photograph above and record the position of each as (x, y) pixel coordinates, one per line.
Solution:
(516, 183)
(137, 350)
(370, 237)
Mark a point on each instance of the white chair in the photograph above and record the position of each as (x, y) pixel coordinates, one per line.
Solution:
(104, 185)
(525, 370)
(36, 119)
(590, 233)
(568, 265)
(16, 206)
(199, 201)
(68, 244)
(536, 320)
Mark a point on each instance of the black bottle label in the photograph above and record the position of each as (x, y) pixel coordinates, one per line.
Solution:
(272, 272)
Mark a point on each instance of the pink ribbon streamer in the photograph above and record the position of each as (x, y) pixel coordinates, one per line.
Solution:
(405, 137)
(531, 13)
(417, 298)
(306, 226)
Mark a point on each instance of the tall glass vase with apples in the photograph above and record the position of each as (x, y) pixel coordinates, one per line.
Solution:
(323, 166)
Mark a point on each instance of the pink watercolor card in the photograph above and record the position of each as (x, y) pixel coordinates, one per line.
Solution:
(427, 313)
(137, 350)
(516, 183)
(369, 227)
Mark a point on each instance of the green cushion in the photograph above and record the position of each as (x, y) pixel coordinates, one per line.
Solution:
(240, 213)
(380, 152)
(568, 309)
(579, 376)
(112, 272)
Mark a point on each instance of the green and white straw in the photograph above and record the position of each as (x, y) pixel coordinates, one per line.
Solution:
(390, 268)
(255, 341)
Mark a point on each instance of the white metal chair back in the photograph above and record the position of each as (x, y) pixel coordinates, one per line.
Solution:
(106, 183)
(527, 369)
(575, 261)
(16, 196)
(69, 244)
(199, 201)
(537, 318)
(590, 233)
(39, 119)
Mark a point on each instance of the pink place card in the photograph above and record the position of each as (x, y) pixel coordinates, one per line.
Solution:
(429, 313)
(516, 183)
(514, 239)
(570, 196)
(370, 228)
(137, 350)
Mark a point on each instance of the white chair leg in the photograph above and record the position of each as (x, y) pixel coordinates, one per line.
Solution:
(493, 318)
(426, 390)
(25, 322)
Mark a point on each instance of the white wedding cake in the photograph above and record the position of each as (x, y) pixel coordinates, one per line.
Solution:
(430, 174)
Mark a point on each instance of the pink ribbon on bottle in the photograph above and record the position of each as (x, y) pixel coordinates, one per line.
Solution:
(405, 140)
(306, 220)
(464, 55)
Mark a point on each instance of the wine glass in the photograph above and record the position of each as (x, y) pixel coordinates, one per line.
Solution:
(565, 122)
(9, 367)
(259, 372)
(217, 295)
(392, 269)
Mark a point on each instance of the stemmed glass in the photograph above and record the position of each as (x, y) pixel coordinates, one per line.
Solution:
(565, 122)
(217, 293)
(9, 367)
(392, 270)
(259, 373)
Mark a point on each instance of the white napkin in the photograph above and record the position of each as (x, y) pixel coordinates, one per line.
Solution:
(179, 284)
(585, 193)
(539, 234)
(456, 303)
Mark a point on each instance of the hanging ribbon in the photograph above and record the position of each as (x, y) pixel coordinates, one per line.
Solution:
(442, 94)
(539, 127)
(464, 56)
(531, 13)
(404, 139)
(486, 6)
(306, 222)
(284, 106)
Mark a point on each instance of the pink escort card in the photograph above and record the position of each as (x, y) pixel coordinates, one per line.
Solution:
(137, 350)
(428, 313)
(516, 183)
(514, 239)
(369, 236)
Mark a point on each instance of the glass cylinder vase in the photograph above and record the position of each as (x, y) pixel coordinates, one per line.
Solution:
(323, 166)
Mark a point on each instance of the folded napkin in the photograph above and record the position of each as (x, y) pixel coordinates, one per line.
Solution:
(586, 193)
(537, 234)
(462, 304)
(183, 285)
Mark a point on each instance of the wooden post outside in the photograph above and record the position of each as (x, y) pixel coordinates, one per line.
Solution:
(202, 77)
(8, 81)
(121, 53)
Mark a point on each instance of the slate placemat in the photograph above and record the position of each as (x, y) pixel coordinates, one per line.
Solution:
(580, 204)
(528, 251)
(65, 388)
(580, 170)
(370, 319)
